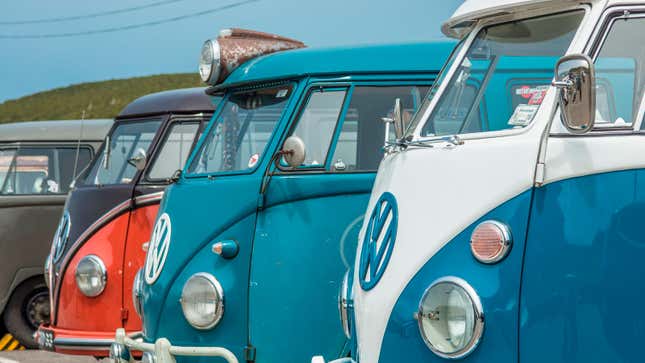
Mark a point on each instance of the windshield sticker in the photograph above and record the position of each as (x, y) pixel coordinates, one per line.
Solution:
(533, 94)
(282, 93)
(253, 160)
(523, 115)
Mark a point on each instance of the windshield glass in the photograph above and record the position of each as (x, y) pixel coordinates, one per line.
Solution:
(126, 140)
(501, 81)
(418, 115)
(238, 138)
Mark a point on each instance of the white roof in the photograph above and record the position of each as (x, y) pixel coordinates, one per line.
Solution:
(63, 130)
(472, 10)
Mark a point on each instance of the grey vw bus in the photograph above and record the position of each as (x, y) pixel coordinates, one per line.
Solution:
(38, 163)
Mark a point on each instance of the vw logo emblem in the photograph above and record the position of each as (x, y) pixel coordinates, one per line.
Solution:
(378, 241)
(158, 249)
(61, 237)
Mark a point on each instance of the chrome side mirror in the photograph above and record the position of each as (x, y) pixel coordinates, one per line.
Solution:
(293, 151)
(575, 78)
(139, 159)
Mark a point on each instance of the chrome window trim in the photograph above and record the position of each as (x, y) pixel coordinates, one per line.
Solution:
(479, 317)
(147, 199)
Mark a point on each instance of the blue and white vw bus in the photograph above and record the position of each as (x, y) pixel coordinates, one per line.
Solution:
(513, 234)
(251, 243)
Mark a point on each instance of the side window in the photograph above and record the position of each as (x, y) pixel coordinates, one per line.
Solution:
(39, 170)
(363, 132)
(174, 151)
(619, 73)
(6, 162)
(31, 172)
(112, 167)
(70, 165)
(317, 123)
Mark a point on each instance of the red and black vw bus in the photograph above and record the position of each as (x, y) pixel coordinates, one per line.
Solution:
(103, 232)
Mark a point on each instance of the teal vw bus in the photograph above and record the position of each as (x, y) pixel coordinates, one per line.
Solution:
(250, 245)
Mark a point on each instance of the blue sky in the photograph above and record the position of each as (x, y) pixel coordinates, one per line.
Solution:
(31, 65)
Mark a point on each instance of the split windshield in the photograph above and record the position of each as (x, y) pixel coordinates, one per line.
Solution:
(239, 136)
(501, 81)
(126, 140)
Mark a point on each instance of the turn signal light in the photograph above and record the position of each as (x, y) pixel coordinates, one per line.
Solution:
(490, 242)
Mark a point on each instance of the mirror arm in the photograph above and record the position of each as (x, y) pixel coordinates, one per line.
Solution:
(175, 176)
(266, 178)
(562, 84)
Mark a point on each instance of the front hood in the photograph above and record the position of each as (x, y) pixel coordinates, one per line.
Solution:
(84, 210)
(438, 192)
(201, 212)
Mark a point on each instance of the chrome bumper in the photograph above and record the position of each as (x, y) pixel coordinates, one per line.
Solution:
(161, 351)
(321, 359)
(47, 340)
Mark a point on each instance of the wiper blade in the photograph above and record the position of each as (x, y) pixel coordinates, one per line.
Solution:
(429, 142)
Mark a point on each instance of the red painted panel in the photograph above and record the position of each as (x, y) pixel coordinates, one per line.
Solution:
(102, 313)
(141, 223)
(119, 244)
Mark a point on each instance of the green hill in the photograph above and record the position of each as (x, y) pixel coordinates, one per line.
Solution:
(99, 99)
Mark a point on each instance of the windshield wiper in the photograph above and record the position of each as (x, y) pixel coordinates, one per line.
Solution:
(408, 141)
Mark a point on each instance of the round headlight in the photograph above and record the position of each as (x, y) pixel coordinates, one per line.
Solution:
(137, 287)
(47, 275)
(91, 276)
(202, 301)
(451, 318)
(209, 62)
(343, 305)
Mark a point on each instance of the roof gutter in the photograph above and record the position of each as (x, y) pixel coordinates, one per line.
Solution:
(458, 26)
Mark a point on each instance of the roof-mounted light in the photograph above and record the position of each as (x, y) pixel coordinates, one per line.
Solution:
(209, 62)
(220, 56)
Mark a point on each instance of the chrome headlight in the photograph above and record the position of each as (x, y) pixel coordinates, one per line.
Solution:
(48, 263)
(202, 301)
(137, 290)
(91, 276)
(209, 62)
(450, 318)
(344, 302)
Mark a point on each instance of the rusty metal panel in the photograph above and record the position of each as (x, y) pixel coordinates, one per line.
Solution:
(239, 45)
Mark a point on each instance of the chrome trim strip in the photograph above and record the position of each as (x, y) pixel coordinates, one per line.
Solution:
(83, 344)
(148, 198)
(88, 343)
